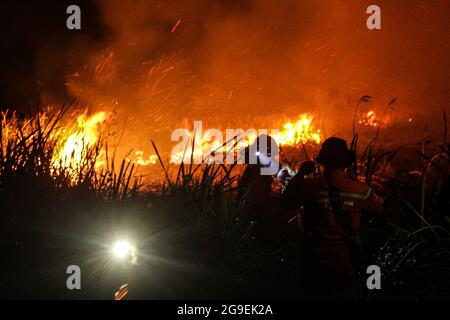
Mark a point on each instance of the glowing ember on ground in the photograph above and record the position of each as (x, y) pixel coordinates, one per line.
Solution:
(370, 119)
(141, 160)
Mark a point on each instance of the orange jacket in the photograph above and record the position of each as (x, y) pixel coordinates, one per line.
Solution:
(311, 193)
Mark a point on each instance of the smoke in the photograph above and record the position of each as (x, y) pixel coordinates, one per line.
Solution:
(163, 64)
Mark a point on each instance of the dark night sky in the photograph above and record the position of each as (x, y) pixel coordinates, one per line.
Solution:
(24, 26)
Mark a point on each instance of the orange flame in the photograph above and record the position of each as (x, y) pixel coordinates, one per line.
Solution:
(75, 139)
(294, 132)
(141, 160)
(86, 135)
(299, 131)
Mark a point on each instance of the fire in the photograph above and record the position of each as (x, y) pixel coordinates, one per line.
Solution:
(18, 132)
(69, 140)
(300, 131)
(74, 138)
(203, 149)
(141, 160)
(86, 135)
(294, 132)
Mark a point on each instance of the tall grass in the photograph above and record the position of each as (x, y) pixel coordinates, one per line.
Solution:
(415, 256)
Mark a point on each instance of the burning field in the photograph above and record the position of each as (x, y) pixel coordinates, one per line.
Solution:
(90, 176)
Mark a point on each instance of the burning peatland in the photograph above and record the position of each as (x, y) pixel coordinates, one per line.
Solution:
(69, 177)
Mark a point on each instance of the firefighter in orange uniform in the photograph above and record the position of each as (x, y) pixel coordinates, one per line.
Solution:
(330, 258)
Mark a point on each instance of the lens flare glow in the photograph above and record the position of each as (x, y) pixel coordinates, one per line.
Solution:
(122, 248)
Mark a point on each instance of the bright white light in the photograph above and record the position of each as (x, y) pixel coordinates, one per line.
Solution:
(122, 249)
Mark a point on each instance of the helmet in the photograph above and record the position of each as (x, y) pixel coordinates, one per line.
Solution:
(334, 154)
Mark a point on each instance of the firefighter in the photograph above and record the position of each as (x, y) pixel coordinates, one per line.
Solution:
(259, 202)
(255, 188)
(331, 207)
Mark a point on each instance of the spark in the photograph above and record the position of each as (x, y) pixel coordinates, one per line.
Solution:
(174, 28)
